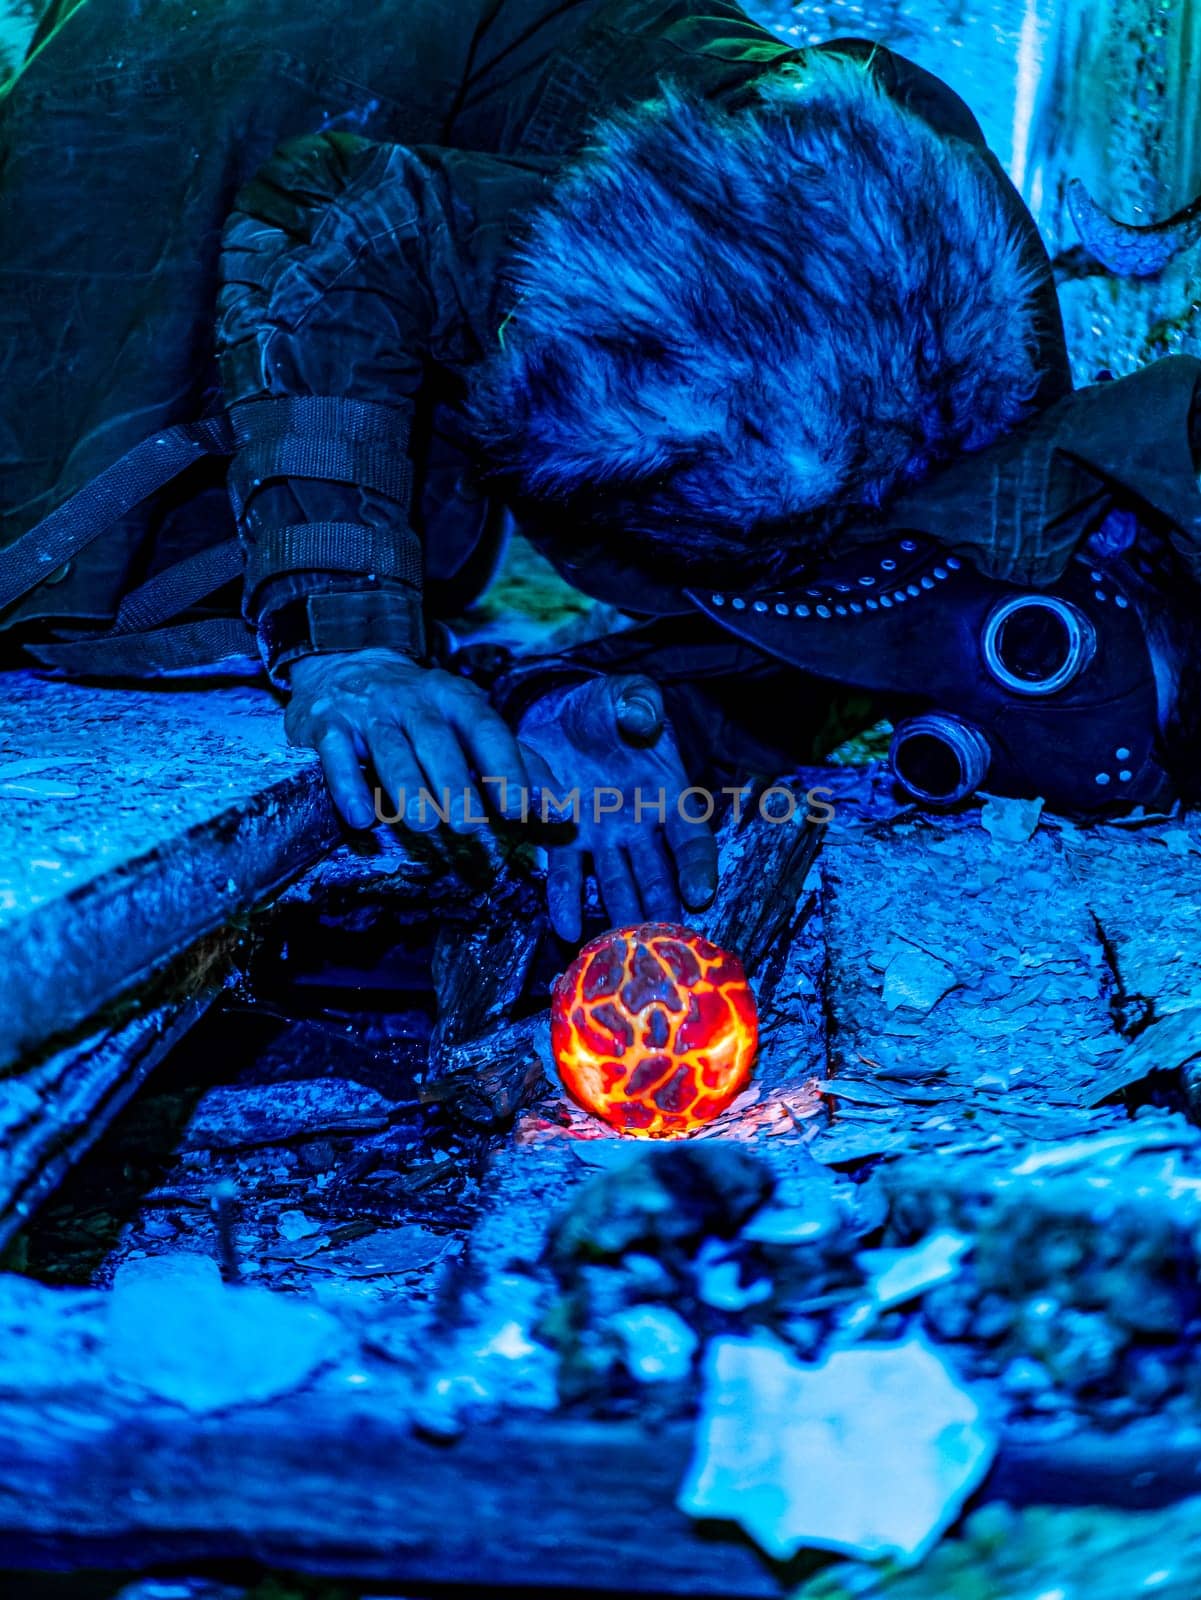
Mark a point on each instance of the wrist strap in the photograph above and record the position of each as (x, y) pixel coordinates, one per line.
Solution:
(333, 547)
(330, 624)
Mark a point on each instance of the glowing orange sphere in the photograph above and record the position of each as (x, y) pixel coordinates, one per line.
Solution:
(654, 1029)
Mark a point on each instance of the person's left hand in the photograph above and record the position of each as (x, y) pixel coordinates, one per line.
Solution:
(610, 739)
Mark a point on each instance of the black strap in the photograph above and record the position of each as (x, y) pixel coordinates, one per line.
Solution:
(321, 416)
(113, 493)
(334, 547)
(328, 460)
(163, 653)
(344, 433)
(334, 622)
(180, 586)
(90, 511)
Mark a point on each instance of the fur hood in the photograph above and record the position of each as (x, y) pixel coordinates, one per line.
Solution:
(729, 321)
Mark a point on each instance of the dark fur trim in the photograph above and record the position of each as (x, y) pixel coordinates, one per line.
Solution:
(731, 321)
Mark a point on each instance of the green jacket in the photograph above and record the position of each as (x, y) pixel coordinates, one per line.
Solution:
(411, 140)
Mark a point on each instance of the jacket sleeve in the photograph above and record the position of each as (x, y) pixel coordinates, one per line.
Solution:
(737, 713)
(349, 269)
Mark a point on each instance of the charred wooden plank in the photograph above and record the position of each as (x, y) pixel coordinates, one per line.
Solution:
(481, 1064)
(487, 1081)
(347, 1473)
(132, 824)
(135, 828)
(53, 1114)
(764, 865)
(343, 1487)
(343, 1467)
(56, 1108)
(481, 965)
(543, 1503)
(233, 1117)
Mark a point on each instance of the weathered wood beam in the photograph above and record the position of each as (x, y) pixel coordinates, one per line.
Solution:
(56, 1109)
(342, 1474)
(480, 965)
(349, 1473)
(131, 824)
(135, 828)
(346, 1488)
(486, 1081)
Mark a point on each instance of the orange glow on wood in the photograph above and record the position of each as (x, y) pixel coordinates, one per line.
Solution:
(654, 1029)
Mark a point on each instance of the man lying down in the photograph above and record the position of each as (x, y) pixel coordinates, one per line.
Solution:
(759, 345)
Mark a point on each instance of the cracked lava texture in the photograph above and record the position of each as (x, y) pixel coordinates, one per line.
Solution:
(654, 1029)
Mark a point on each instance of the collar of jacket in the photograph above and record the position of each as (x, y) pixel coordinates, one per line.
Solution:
(1019, 508)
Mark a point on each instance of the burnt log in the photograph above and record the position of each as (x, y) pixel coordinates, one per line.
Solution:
(52, 1114)
(487, 1081)
(365, 1495)
(764, 865)
(348, 1472)
(56, 1107)
(135, 828)
(133, 824)
(482, 1065)
(480, 966)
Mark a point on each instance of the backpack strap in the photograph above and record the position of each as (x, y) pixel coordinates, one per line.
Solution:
(226, 644)
(136, 646)
(322, 436)
(92, 510)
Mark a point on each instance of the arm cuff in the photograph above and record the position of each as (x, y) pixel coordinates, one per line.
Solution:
(331, 547)
(330, 624)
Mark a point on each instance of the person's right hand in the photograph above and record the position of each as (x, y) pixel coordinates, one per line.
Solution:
(415, 727)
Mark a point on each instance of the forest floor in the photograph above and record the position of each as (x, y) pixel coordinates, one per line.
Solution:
(967, 1149)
